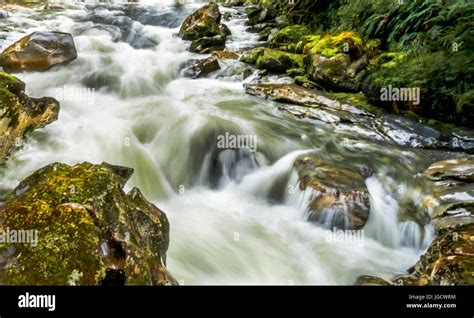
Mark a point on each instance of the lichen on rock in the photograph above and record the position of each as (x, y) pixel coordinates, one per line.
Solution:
(86, 225)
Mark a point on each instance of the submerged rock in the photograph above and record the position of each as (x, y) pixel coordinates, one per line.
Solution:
(339, 197)
(38, 51)
(20, 114)
(86, 226)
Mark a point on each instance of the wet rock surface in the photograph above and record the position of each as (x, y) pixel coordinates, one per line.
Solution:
(201, 68)
(20, 114)
(83, 210)
(38, 51)
(339, 197)
(449, 260)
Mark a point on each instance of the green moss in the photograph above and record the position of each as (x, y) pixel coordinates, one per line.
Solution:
(74, 209)
(287, 39)
(359, 100)
(331, 45)
(273, 60)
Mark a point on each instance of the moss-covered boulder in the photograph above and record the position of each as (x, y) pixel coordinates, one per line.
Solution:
(287, 39)
(273, 60)
(20, 114)
(38, 51)
(204, 28)
(87, 227)
(339, 196)
(203, 22)
(335, 61)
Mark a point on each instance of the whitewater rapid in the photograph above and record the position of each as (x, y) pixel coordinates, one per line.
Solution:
(143, 114)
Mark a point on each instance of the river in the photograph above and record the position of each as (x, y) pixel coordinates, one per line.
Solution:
(127, 103)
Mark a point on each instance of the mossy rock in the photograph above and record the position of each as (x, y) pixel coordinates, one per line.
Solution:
(273, 60)
(86, 225)
(334, 61)
(287, 39)
(448, 260)
(331, 45)
(20, 114)
(204, 22)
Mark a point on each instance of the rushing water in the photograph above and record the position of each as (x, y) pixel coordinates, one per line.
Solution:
(240, 226)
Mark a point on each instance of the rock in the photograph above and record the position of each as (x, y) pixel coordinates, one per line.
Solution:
(450, 258)
(207, 45)
(202, 23)
(272, 60)
(204, 28)
(455, 169)
(225, 55)
(259, 14)
(87, 226)
(372, 281)
(3, 14)
(20, 114)
(38, 51)
(287, 39)
(293, 94)
(200, 68)
(463, 139)
(408, 132)
(339, 196)
(335, 61)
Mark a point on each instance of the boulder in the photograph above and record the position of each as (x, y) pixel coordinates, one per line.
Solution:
(260, 14)
(89, 230)
(207, 45)
(339, 197)
(200, 68)
(38, 51)
(20, 114)
(204, 28)
(287, 39)
(273, 60)
(335, 61)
